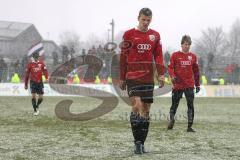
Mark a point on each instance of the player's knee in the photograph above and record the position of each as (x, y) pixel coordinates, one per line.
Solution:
(40, 96)
(172, 110)
(146, 110)
(190, 101)
(135, 108)
(146, 107)
(146, 114)
(175, 105)
(138, 103)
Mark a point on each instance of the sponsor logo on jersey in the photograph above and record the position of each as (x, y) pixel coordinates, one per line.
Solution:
(143, 47)
(185, 63)
(36, 69)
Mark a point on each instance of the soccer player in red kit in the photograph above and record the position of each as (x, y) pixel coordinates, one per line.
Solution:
(35, 70)
(184, 72)
(140, 50)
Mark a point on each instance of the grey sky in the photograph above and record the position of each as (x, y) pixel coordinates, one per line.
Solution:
(172, 18)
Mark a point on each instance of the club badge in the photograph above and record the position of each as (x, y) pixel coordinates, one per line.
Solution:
(152, 37)
(189, 58)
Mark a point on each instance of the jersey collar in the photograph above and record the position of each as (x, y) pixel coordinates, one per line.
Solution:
(136, 28)
(183, 52)
(35, 61)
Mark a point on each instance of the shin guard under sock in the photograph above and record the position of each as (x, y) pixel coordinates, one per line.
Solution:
(39, 102)
(34, 103)
(135, 125)
(144, 128)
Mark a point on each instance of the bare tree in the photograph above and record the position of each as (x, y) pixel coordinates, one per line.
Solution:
(93, 40)
(71, 40)
(211, 44)
(213, 40)
(234, 39)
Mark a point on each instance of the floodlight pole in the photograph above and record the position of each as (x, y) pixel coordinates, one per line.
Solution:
(113, 25)
(108, 37)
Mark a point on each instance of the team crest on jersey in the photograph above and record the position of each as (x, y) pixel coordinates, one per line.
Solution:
(189, 58)
(151, 37)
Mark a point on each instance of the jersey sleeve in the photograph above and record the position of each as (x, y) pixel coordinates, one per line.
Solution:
(123, 57)
(171, 66)
(45, 71)
(158, 56)
(196, 72)
(27, 73)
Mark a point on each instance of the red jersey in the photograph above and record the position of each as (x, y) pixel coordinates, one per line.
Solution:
(184, 67)
(136, 60)
(35, 70)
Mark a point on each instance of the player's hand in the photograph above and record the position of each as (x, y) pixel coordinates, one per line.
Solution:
(174, 80)
(161, 80)
(26, 87)
(46, 81)
(197, 89)
(122, 85)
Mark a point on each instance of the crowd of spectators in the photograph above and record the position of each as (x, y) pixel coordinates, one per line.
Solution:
(230, 72)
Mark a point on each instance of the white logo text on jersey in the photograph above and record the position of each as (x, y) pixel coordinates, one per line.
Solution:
(36, 69)
(185, 63)
(143, 47)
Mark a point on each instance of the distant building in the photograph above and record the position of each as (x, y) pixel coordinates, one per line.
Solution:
(16, 38)
(51, 49)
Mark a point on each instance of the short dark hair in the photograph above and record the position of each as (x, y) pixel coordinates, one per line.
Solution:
(186, 38)
(35, 55)
(146, 12)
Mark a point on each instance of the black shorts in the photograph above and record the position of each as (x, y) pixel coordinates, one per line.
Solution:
(144, 91)
(36, 87)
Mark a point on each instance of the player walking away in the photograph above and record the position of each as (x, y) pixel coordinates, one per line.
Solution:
(184, 72)
(136, 73)
(35, 70)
